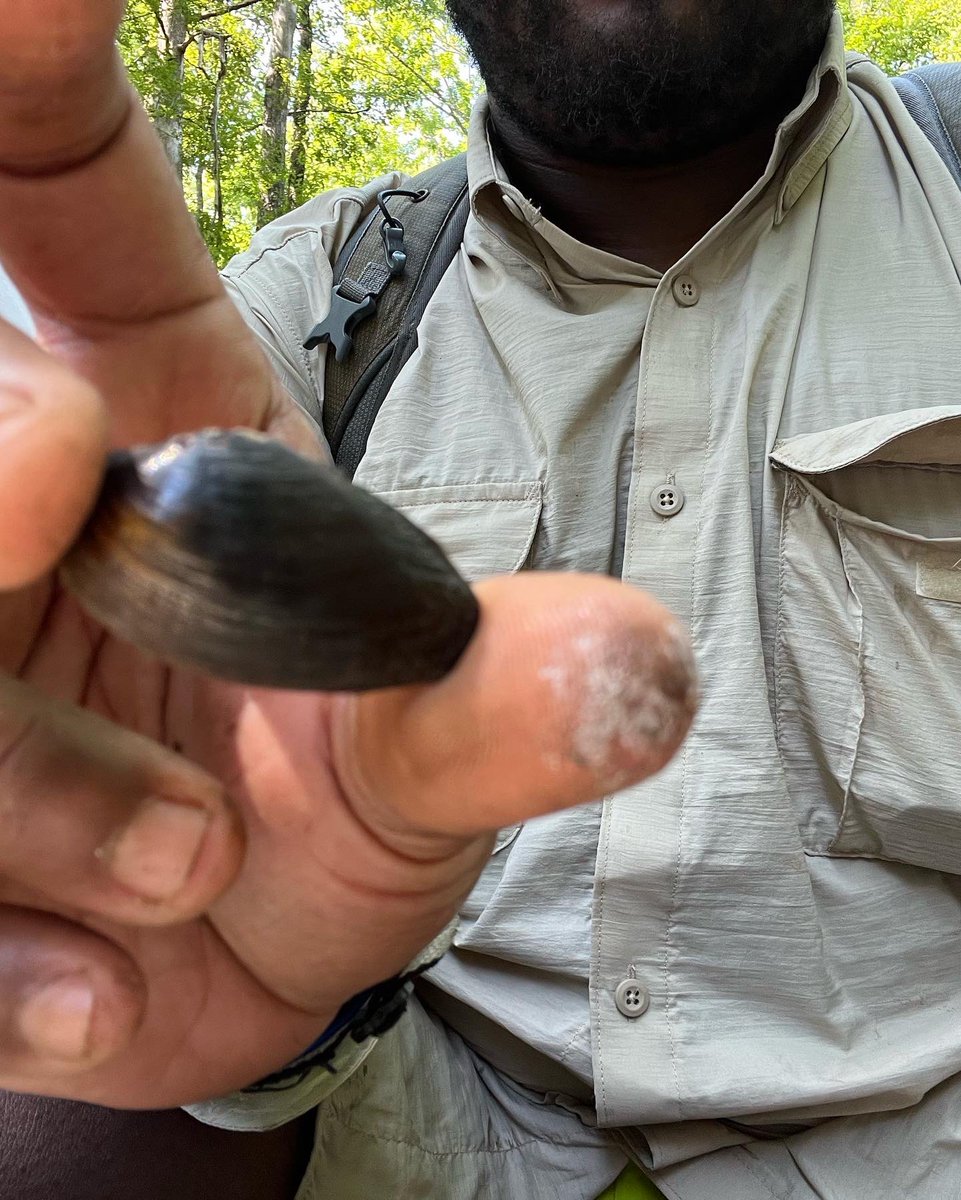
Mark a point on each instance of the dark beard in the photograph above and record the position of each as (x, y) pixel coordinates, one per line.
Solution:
(643, 86)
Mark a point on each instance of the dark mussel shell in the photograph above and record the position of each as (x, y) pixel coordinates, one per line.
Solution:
(227, 552)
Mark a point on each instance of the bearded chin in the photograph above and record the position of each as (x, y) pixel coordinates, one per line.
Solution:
(646, 87)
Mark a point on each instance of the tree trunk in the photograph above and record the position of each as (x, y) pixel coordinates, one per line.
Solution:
(276, 107)
(218, 172)
(303, 94)
(173, 46)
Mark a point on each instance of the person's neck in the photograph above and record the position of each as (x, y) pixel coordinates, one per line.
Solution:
(650, 215)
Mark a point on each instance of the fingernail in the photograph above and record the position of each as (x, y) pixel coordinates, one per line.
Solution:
(55, 1020)
(155, 855)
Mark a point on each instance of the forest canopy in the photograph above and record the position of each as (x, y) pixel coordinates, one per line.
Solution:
(263, 103)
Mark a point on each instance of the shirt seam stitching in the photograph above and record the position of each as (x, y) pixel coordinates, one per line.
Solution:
(572, 1042)
(821, 466)
(849, 782)
(282, 310)
(291, 237)
(455, 1152)
(527, 500)
(232, 273)
(779, 619)
(597, 927)
(746, 1156)
(685, 762)
(532, 486)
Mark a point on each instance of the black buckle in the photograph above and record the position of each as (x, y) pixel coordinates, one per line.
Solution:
(338, 326)
(347, 310)
(383, 1013)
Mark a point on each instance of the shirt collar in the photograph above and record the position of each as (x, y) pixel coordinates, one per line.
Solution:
(805, 139)
(808, 134)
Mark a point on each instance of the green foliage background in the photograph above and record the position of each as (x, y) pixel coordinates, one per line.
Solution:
(899, 34)
(390, 85)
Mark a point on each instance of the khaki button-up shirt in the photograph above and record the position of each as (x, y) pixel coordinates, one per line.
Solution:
(786, 893)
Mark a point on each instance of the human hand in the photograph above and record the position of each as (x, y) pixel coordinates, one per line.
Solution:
(194, 874)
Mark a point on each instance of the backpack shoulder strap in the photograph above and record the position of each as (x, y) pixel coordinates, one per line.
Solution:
(383, 280)
(932, 95)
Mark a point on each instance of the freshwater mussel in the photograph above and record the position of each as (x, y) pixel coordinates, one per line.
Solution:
(227, 552)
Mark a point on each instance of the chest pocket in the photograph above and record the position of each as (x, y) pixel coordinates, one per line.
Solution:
(868, 652)
(484, 528)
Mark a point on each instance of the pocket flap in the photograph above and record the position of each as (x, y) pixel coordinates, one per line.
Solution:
(484, 528)
(918, 436)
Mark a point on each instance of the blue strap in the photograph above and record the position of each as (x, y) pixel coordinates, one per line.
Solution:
(370, 1014)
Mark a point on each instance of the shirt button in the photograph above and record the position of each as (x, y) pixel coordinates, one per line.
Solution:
(632, 998)
(667, 500)
(686, 290)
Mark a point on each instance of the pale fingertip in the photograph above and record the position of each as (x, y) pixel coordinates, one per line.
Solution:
(631, 701)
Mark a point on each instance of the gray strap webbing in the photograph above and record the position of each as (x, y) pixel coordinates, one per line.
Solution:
(355, 386)
(932, 95)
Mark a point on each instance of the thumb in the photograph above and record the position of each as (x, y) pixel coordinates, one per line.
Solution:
(573, 687)
(53, 441)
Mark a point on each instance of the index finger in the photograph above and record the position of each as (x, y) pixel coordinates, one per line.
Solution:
(93, 224)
